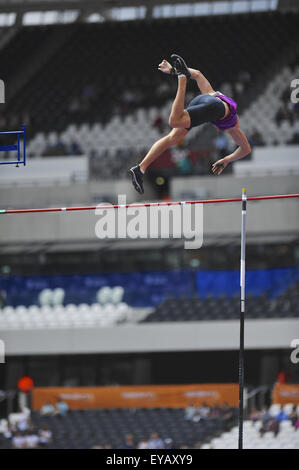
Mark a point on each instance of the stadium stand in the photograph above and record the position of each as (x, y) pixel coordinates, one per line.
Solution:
(83, 429)
(275, 435)
(192, 427)
(71, 110)
(272, 294)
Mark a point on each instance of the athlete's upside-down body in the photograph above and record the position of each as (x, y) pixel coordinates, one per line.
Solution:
(210, 106)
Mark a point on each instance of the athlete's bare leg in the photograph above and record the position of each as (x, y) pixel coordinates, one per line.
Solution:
(173, 138)
(179, 117)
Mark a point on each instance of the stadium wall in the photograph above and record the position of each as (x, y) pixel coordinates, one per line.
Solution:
(187, 336)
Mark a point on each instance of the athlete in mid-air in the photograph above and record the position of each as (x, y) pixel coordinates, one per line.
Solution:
(209, 106)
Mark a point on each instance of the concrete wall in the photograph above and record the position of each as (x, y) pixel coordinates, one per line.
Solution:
(65, 194)
(46, 170)
(80, 193)
(187, 336)
(231, 186)
(279, 159)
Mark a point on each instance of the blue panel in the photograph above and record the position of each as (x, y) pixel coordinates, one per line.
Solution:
(150, 288)
(271, 281)
(3, 148)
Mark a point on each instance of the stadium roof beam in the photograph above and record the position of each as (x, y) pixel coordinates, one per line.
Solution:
(88, 6)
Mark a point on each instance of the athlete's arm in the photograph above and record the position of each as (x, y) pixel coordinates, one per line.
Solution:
(241, 152)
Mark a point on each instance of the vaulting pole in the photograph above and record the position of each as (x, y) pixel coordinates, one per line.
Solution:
(242, 318)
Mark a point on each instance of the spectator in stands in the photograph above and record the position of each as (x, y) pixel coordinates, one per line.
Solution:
(282, 415)
(180, 156)
(168, 443)
(190, 411)
(47, 409)
(159, 124)
(6, 429)
(45, 436)
(204, 410)
(274, 426)
(281, 377)
(265, 415)
(293, 416)
(129, 442)
(74, 148)
(143, 444)
(215, 412)
(285, 375)
(18, 441)
(32, 439)
(227, 416)
(61, 407)
(197, 416)
(23, 423)
(155, 442)
(254, 415)
(264, 427)
(201, 413)
(2, 298)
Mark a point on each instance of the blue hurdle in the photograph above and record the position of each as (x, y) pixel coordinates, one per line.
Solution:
(17, 147)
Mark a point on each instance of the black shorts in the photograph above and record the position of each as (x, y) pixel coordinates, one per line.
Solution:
(205, 108)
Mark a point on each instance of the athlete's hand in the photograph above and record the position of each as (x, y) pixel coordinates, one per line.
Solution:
(218, 167)
(165, 67)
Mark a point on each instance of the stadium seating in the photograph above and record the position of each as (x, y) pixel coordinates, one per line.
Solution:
(286, 305)
(74, 110)
(270, 294)
(87, 428)
(69, 316)
(83, 429)
(287, 438)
